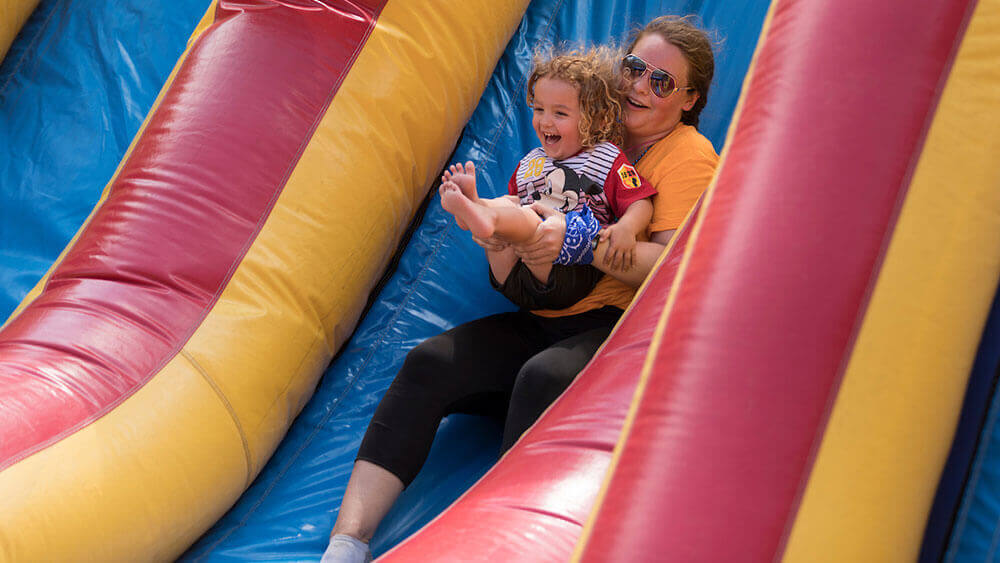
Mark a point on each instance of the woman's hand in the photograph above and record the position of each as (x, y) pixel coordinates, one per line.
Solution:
(543, 248)
(491, 244)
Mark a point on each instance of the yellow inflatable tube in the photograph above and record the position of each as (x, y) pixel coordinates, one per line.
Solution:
(895, 414)
(203, 404)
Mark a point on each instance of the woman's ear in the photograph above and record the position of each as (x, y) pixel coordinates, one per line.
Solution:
(692, 98)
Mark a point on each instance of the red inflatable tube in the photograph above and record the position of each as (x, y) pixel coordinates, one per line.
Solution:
(508, 517)
(769, 301)
(132, 280)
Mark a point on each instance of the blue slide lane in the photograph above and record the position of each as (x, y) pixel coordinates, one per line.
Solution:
(441, 281)
(74, 89)
(972, 474)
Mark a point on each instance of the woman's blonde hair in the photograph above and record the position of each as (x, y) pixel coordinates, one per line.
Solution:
(592, 73)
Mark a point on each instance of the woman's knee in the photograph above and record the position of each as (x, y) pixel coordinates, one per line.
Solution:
(541, 379)
(426, 362)
(538, 384)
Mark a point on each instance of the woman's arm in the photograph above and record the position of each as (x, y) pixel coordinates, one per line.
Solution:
(662, 237)
(544, 248)
(621, 236)
(500, 256)
(646, 255)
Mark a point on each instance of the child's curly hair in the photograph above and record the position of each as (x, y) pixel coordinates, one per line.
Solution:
(592, 72)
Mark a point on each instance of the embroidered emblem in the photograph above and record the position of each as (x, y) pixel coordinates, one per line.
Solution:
(629, 176)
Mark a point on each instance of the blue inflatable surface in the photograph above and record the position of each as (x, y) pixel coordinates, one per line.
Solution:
(440, 282)
(969, 531)
(74, 89)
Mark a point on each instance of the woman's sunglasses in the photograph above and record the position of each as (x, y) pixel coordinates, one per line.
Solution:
(660, 81)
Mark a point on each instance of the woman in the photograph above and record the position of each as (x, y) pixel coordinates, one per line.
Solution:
(531, 357)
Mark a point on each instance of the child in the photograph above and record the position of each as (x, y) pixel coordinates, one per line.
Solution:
(578, 170)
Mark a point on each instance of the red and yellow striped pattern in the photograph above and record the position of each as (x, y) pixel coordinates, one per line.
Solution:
(802, 363)
(802, 389)
(230, 257)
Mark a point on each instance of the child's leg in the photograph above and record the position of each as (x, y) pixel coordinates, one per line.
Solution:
(512, 223)
(501, 263)
(541, 273)
(503, 201)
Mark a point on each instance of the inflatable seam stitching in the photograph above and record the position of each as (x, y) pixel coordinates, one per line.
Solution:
(24, 454)
(229, 408)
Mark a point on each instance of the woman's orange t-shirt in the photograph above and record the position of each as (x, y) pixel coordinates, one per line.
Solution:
(680, 166)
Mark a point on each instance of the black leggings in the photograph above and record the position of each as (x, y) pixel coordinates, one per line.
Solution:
(511, 365)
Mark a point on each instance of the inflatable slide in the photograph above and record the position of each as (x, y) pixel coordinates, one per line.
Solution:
(13, 14)
(786, 384)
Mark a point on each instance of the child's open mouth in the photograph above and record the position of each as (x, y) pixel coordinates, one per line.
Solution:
(552, 139)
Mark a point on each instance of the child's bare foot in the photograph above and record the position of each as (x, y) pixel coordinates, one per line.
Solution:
(465, 177)
(449, 186)
(473, 217)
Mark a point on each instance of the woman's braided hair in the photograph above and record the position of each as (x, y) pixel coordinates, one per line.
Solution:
(592, 72)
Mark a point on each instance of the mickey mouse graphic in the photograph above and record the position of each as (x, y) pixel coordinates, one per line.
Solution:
(564, 188)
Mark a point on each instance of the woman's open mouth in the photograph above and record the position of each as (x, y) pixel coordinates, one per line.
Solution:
(635, 104)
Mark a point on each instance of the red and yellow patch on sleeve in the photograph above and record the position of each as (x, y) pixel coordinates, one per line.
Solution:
(629, 176)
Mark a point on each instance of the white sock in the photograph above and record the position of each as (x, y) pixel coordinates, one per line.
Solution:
(346, 549)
